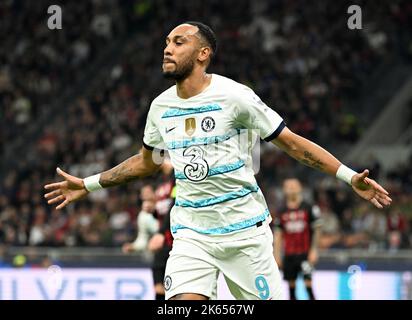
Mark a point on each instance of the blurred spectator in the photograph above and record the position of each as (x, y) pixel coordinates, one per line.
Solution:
(147, 224)
(397, 227)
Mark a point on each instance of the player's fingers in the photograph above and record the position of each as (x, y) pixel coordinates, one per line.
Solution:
(63, 204)
(65, 175)
(364, 174)
(381, 193)
(377, 186)
(383, 199)
(53, 194)
(382, 190)
(376, 203)
(56, 199)
(53, 185)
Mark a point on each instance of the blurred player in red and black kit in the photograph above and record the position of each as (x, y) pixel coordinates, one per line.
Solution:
(161, 242)
(156, 226)
(296, 234)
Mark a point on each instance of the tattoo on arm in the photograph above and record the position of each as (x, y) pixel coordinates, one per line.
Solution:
(122, 173)
(311, 161)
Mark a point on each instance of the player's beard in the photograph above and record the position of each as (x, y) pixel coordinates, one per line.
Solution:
(181, 72)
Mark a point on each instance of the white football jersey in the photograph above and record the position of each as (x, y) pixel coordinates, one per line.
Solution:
(208, 137)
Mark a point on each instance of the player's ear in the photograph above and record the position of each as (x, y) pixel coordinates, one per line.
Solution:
(204, 54)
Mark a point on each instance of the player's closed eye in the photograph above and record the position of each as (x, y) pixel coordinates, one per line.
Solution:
(176, 43)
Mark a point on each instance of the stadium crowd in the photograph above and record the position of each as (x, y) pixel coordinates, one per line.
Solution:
(299, 59)
(37, 64)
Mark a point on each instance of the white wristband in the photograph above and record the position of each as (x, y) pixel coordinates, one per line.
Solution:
(92, 183)
(345, 174)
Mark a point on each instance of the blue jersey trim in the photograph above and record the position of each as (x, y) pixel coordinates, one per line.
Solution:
(226, 229)
(178, 112)
(201, 141)
(216, 170)
(215, 200)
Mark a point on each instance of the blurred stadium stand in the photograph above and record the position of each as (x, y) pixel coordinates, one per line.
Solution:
(78, 98)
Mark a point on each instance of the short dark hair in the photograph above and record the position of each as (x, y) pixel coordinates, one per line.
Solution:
(207, 34)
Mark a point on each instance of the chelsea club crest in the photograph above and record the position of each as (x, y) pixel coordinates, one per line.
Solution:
(208, 124)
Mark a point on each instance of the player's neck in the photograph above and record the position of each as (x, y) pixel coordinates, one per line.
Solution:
(293, 203)
(193, 84)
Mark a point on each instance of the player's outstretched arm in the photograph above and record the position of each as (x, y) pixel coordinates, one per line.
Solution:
(73, 188)
(314, 156)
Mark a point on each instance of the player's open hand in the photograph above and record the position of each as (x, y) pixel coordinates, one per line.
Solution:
(370, 190)
(64, 192)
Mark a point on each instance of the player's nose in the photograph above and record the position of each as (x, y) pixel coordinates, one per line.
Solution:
(167, 52)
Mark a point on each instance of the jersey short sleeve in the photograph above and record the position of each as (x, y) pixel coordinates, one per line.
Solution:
(253, 113)
(152, 137)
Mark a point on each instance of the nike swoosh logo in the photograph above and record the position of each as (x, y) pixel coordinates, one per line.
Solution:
(170, 129)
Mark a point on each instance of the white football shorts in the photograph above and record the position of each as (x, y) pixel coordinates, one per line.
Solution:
(248, 266)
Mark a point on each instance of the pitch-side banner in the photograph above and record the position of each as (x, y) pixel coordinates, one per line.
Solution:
(58, 283)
